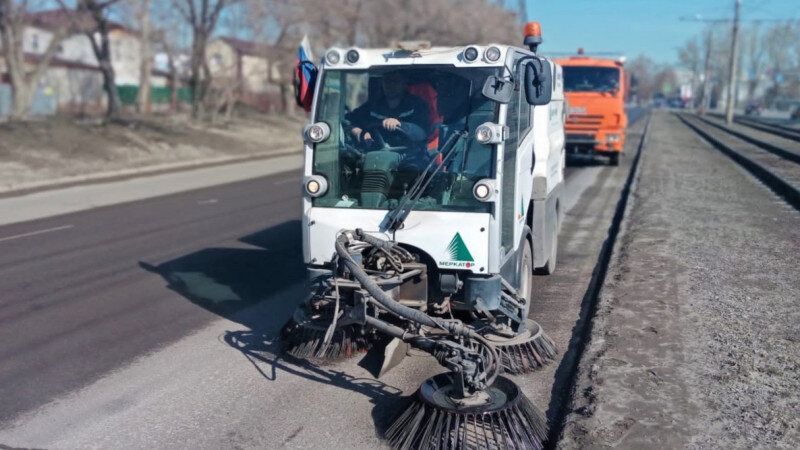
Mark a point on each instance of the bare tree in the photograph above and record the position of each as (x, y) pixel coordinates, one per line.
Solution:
(202, 16)
(755, 60)
(146, 56)
(97, 33)
(690, 58)
(22, 79)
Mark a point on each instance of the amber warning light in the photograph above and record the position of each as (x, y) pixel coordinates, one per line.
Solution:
(533, 35)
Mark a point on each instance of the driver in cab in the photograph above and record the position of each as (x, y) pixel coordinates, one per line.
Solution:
(400, 117)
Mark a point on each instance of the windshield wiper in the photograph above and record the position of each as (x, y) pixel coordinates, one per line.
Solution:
(396, 217)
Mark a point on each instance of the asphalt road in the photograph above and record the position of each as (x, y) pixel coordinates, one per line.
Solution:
(152, 323)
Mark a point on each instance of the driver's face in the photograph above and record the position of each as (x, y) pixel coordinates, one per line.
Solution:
(393, 86)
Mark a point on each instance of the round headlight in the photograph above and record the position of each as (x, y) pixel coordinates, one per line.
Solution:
(316, 133)
(315, 185)
(470, 54)
(332, 57)
(352, 56)
(482, 191)
(483, 134)
(492, 54)
(312, 186)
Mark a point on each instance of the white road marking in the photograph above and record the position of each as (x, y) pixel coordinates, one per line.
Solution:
(207, 202)
(34, 233)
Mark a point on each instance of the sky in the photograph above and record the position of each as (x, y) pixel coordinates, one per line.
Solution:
(633, 27)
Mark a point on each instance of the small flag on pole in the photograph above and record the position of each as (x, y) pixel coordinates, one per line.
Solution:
(305, 75)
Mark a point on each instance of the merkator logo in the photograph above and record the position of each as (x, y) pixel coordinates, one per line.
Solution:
(457, 254)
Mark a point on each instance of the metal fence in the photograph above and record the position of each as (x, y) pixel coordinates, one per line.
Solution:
(44, 102)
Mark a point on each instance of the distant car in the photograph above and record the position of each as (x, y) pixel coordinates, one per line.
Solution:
(753, 109)
(675, 103)
(795, 114)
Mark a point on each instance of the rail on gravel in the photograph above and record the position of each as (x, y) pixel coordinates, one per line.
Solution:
(778, 130)
(567, 372)
(791, 155)
(778, 184)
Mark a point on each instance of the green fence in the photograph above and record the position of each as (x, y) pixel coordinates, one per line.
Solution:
(159, 95)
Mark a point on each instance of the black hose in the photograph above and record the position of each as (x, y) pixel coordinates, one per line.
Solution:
(386, 301)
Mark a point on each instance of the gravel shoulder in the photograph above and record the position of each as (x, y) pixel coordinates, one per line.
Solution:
(695, 340)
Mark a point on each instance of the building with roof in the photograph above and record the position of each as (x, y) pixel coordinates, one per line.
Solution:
(244, 68)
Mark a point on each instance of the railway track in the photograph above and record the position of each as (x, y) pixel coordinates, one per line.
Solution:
(778, 130)
(779, 172)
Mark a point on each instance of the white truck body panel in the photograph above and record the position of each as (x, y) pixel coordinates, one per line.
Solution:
(539, 182)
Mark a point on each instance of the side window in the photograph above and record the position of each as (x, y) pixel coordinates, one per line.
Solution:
(509, 166)
(524, 116)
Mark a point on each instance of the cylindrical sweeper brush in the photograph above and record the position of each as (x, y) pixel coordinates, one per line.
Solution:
(314, 335)
(525, 352)
(499, 417)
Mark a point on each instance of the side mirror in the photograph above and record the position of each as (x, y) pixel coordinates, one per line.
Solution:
(305, 80)
(538, 82)
(498, 90)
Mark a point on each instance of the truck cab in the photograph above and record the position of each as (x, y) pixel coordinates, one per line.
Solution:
(440, 150)
(595, 92)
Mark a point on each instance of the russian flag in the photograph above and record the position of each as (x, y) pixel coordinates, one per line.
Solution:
(305, 75)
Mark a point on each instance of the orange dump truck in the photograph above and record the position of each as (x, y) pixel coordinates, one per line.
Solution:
(596, 121)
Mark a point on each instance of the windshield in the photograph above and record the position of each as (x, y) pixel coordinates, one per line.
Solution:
(591, 79)
(388, 124)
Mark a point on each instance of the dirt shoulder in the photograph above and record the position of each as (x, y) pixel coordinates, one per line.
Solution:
(59, 148)
(695, 341)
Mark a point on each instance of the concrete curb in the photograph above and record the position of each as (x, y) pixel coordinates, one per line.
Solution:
(115, 175)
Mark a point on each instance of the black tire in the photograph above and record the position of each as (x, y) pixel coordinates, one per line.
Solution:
(613, 160)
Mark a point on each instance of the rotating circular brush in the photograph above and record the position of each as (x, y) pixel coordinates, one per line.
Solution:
(526, 351)
(500, 417)
(304, 337)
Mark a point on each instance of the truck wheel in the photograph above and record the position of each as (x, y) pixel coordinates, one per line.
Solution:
(525, 270)
(550, 265)
(613, 160)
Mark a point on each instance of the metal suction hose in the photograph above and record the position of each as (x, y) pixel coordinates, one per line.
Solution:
(401, 310)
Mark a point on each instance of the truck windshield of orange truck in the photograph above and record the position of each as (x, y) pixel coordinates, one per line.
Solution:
(591, 79)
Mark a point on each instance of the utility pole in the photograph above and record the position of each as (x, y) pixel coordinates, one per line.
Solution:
(733, 66)
(706, 70)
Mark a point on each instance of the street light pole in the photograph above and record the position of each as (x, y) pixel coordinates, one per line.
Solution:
(733, 66)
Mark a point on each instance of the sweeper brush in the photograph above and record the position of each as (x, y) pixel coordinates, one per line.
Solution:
(308, 341)
(499, 417)
(364, 296)
(526, 352)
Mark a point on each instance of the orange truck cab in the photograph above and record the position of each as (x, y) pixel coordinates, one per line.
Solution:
(595, 91)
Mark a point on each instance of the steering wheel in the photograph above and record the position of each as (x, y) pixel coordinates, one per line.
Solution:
(379, 143)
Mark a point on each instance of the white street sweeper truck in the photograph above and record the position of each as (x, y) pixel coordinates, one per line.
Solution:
(432, 191)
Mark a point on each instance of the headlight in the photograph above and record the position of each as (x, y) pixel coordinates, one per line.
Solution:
(483, 134)
(317, 132)
(315, 185)
(470, 54)
(484, 190)
(491, 133)
(612, 138)
(333, 57)
(352, 56)
(492, 54)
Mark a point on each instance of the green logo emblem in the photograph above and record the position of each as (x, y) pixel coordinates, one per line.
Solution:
(457, 253)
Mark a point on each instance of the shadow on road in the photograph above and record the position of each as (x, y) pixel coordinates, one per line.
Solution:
(259, 288)
(584, 161)
(263, 352)
(226, 281)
